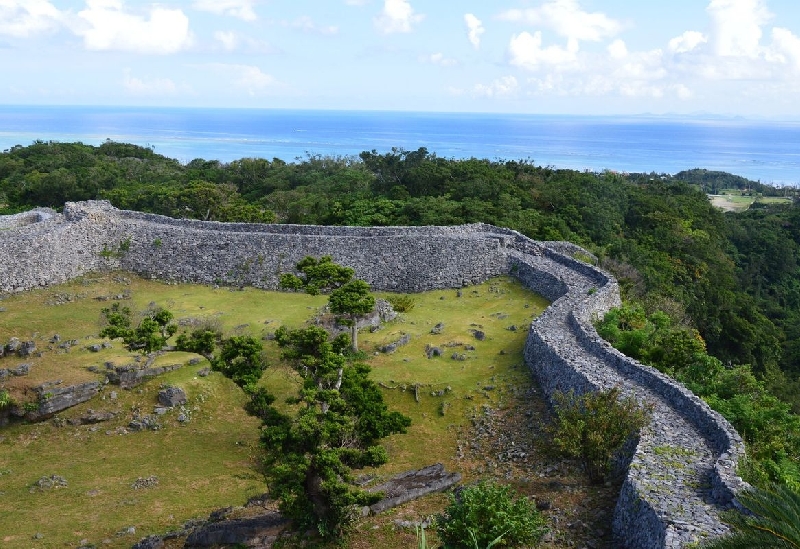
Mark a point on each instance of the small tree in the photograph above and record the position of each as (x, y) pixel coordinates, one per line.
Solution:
(241, 360)
(594, 426)
(310, 455)
(150, 335)
(202, 342)
(486, 514)
(352, 301)
(317, 275)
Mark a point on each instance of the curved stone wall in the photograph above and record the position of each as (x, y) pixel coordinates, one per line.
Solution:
(679, 474)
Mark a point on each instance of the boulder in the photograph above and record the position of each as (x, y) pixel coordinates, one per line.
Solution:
(26, 348)
(172, 396)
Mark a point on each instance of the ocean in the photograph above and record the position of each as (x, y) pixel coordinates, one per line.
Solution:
(759, 150)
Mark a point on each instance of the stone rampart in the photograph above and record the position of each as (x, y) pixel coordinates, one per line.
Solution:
(679, 474)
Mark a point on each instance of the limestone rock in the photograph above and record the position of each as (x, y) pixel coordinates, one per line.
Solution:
(171, 397)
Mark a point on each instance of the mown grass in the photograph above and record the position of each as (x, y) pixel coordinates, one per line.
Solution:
(211, 461)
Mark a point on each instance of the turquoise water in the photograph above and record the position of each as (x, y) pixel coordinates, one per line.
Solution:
(765, 151)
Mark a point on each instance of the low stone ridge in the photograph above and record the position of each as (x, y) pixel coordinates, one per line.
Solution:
(412, 485)
(389, 348)
(261, 531)
(53, 399)
(133, 375)
(660, 504)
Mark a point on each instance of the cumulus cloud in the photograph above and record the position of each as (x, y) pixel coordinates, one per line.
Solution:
(525, 50)
(567, 19)
(104, 25)
(474, 30)
(687, 41)
(785, 46)
(23, 18)
(397, 16)
(737, 26)
(501, 87)
(438, 59)
(307, 24)
(617, 49)
(149, 87)
(243, 9)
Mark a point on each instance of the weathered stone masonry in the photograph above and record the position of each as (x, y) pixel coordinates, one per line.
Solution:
(680, 473)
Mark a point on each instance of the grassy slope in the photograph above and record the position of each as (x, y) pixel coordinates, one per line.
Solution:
(211, 461)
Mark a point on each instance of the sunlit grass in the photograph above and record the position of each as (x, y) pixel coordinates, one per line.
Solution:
(211, 461)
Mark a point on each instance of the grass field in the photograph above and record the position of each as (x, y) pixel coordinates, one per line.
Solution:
(731, 200)
(211, 460)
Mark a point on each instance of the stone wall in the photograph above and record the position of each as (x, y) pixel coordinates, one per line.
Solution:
(679, 474)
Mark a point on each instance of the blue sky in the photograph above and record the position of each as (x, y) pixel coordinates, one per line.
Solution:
(727, 57)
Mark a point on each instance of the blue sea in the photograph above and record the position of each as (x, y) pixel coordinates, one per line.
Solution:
(759, 150)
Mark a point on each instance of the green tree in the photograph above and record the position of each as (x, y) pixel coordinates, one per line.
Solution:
(352, 301)
(241, 359)
(317, 275)
(773, 524)
(338, 421)
(152, 333)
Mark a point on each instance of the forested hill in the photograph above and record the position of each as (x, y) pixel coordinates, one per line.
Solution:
(733, 277)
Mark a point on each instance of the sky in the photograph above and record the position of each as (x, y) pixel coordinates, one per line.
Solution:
(595, 57)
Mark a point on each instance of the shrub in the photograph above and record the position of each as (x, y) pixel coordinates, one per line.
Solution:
(594, 426)
(402, 303)
(487, 514)
(5, 399)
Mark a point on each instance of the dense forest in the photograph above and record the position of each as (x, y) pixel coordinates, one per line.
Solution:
(712, 298)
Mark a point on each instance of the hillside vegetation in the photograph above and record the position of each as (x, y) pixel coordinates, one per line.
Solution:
(730, 278)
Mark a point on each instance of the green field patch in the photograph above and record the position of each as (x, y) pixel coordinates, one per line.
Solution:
(205, 455)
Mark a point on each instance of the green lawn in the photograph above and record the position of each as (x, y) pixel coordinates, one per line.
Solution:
(211, 461)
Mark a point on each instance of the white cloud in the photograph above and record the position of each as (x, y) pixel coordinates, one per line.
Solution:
(438, 59)
(397, 16)
(243, 9)
(567, 19)
(501, 87)
(249, 78)
(228, 40)
(474, 29)
(525, 50)
(642, 67)
(152, 87)
(306, 24)
(105, 26)
(785, 46)
(617, 49)
(737, 26)
(22, 18)
(687, 41)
